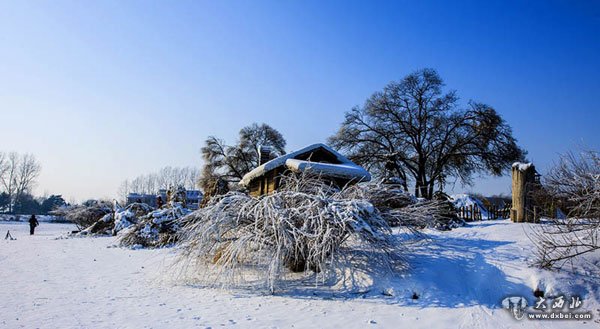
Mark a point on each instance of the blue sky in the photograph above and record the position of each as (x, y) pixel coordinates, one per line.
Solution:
(103, 91)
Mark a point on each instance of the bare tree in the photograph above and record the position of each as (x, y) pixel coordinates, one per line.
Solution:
(413, 131)
(8, 178)
(574, 184)
(3, 164)
(123, 191)
(27, 173)
(18, 175)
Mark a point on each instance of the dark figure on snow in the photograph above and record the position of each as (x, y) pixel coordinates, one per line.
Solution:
(33, 222)
(159, 202)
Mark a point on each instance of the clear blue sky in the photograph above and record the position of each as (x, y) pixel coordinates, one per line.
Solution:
(106, 90)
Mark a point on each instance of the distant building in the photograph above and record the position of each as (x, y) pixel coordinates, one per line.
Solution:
(193, 198)
(318, 159)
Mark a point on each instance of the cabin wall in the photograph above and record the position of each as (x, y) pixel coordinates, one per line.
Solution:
(266, 184)
(254, 188)
(270, 182)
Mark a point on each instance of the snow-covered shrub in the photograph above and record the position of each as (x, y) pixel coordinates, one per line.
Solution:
(427, 213)
(382, 196)
(402, 209)
(129, 216)
(305, 226)
(114, 218)
(157, 228)
(86, 215)
(574, 184)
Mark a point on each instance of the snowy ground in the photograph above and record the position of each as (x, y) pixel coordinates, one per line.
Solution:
(461, 278)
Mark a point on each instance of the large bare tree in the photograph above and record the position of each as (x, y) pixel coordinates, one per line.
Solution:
(414, 131)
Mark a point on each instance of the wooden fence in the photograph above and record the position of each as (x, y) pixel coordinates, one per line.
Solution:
(472, 212)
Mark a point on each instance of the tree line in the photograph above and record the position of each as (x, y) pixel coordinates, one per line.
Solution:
(412, 131)
(162, 179)
(18, 175)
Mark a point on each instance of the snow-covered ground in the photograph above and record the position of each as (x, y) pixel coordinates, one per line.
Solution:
(460, 277)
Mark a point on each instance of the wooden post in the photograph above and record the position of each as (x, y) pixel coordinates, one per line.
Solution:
(523, 180)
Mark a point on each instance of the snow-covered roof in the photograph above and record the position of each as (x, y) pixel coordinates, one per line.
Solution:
(345, 168)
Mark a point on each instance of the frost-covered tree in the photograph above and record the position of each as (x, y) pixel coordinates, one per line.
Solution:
(232, 162)
(414, 131)
(574, 185)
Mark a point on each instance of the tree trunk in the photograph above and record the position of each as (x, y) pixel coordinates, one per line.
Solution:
(430, 192)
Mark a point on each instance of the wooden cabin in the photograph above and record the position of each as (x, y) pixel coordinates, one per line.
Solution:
(318, 159)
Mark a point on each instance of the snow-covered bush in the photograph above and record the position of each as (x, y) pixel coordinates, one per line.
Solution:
(157, 228)
(306, 226)
(574, 184)
(382, 196)
(86, 215)
(109, 219)
(129, 216)
(402, 209)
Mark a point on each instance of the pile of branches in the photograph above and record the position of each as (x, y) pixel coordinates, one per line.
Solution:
(575, 185)
(90, 217)
(401, 209)
(306, 226)
(104, 218)
(157, 228)
(129, 216)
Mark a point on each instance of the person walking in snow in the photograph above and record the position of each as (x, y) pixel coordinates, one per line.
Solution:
(33, 222)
